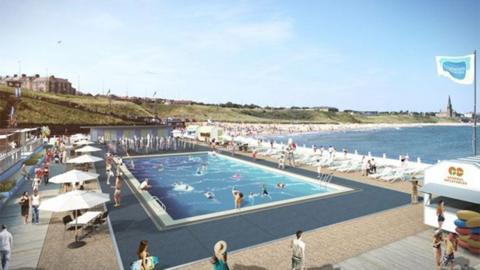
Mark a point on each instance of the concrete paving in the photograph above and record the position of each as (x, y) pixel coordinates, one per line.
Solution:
(28, 239)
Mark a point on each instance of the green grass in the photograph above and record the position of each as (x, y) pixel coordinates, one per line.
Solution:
(33, 159)
(49, 108)
(6, 186)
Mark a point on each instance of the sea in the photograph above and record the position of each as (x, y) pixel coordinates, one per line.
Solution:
(429, 143)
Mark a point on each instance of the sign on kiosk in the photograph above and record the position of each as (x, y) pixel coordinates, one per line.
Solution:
(455, 174)
(457, 182)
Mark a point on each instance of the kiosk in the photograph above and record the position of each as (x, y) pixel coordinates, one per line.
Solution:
(457, 183)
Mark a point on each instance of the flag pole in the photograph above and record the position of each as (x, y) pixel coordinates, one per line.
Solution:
(475, 103)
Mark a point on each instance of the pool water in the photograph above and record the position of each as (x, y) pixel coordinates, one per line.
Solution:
(181, 181)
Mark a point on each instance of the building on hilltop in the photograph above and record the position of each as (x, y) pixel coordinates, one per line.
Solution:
(41, 84)
(449, 113)
(326, 109)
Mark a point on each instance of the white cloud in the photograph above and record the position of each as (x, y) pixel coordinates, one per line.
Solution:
(270, 31)
(103, 21)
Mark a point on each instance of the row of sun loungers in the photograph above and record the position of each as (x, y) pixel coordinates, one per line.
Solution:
(385, 172)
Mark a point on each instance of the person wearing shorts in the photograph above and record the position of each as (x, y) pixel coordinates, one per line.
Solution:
(118, 190)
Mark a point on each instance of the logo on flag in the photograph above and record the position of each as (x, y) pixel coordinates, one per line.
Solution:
(458, 69)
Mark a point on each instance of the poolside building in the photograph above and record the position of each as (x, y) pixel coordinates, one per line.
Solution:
(456, 183)
(113, 133)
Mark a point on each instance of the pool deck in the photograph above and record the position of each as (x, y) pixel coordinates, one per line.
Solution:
(194, 242)
(28, 239)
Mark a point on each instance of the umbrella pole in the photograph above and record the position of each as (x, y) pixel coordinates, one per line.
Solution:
(76, 223)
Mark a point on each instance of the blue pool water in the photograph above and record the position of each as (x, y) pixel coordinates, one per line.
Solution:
(219, 177)
(430, 143)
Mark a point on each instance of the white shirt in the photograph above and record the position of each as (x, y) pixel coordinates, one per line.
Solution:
(298, 248)
(6, 240)
(36, 200)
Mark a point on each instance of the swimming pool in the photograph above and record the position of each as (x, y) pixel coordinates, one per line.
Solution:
(198, 186)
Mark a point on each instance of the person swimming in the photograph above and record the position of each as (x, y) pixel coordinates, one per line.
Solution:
(160, 167)
(236, 176)
(280, 185)
(265, 191)
(210, 195)
(180, 186)
(251, 197)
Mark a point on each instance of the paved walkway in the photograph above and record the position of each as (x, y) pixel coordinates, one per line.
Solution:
(412, 253)
(331, 244)
(28, 239)
(97, 253)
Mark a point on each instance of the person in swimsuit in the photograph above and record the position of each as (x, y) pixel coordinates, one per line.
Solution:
(280, 185)
(440, 213)
(118, 190)
(142, 253)
(437, 248)
(265, 191)
(237, 197)
(450, 246)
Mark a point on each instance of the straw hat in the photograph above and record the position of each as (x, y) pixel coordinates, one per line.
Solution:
(220, 247)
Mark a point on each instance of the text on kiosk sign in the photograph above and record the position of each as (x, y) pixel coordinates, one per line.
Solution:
(455, 176)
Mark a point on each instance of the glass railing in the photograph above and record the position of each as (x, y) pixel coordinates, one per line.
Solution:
(7, 159)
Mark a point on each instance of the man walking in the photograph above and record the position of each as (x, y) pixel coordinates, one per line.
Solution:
(6, 244)
(298, 252)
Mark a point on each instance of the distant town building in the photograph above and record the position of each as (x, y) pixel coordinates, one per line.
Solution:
(41, 84)
(176, 102)
(326, 109)
(449, 113)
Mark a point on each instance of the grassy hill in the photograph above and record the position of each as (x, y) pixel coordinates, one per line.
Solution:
(58, 109)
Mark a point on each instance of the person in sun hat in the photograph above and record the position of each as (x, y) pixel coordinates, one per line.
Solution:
(219, 258)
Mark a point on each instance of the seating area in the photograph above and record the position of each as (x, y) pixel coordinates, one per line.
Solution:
(387, 170)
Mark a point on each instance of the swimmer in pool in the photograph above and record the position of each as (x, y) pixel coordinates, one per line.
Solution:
(209, 195)
(280, 185)
(145, 185)
(236, 176)
(264, 191)
(251, 198)
(237, 197)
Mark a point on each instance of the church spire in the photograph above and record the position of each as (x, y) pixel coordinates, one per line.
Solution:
(449, 108)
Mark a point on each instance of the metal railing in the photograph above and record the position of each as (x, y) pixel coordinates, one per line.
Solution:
(160, 202)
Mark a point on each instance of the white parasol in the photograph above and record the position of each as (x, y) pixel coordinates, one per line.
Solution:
(73, 176)
(84, 159)
(87, 149)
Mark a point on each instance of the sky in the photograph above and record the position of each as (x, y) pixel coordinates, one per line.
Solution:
(358, 54)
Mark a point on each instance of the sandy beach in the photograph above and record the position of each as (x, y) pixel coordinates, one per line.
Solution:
(236, 129)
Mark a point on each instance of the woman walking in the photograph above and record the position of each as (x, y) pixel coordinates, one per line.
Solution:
(440, 213)
(219, 258)
(24, 206)
(437, 248)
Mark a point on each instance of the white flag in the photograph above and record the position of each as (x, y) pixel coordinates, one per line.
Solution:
(459, 69)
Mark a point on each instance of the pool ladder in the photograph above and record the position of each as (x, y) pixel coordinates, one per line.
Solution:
(160, 202)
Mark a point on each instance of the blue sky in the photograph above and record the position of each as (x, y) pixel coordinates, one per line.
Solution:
(365, 55)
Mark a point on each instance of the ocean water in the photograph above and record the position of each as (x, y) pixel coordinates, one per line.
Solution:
(430, 143)
(218, 176)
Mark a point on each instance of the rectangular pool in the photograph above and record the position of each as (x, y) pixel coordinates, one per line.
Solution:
(198, 186)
